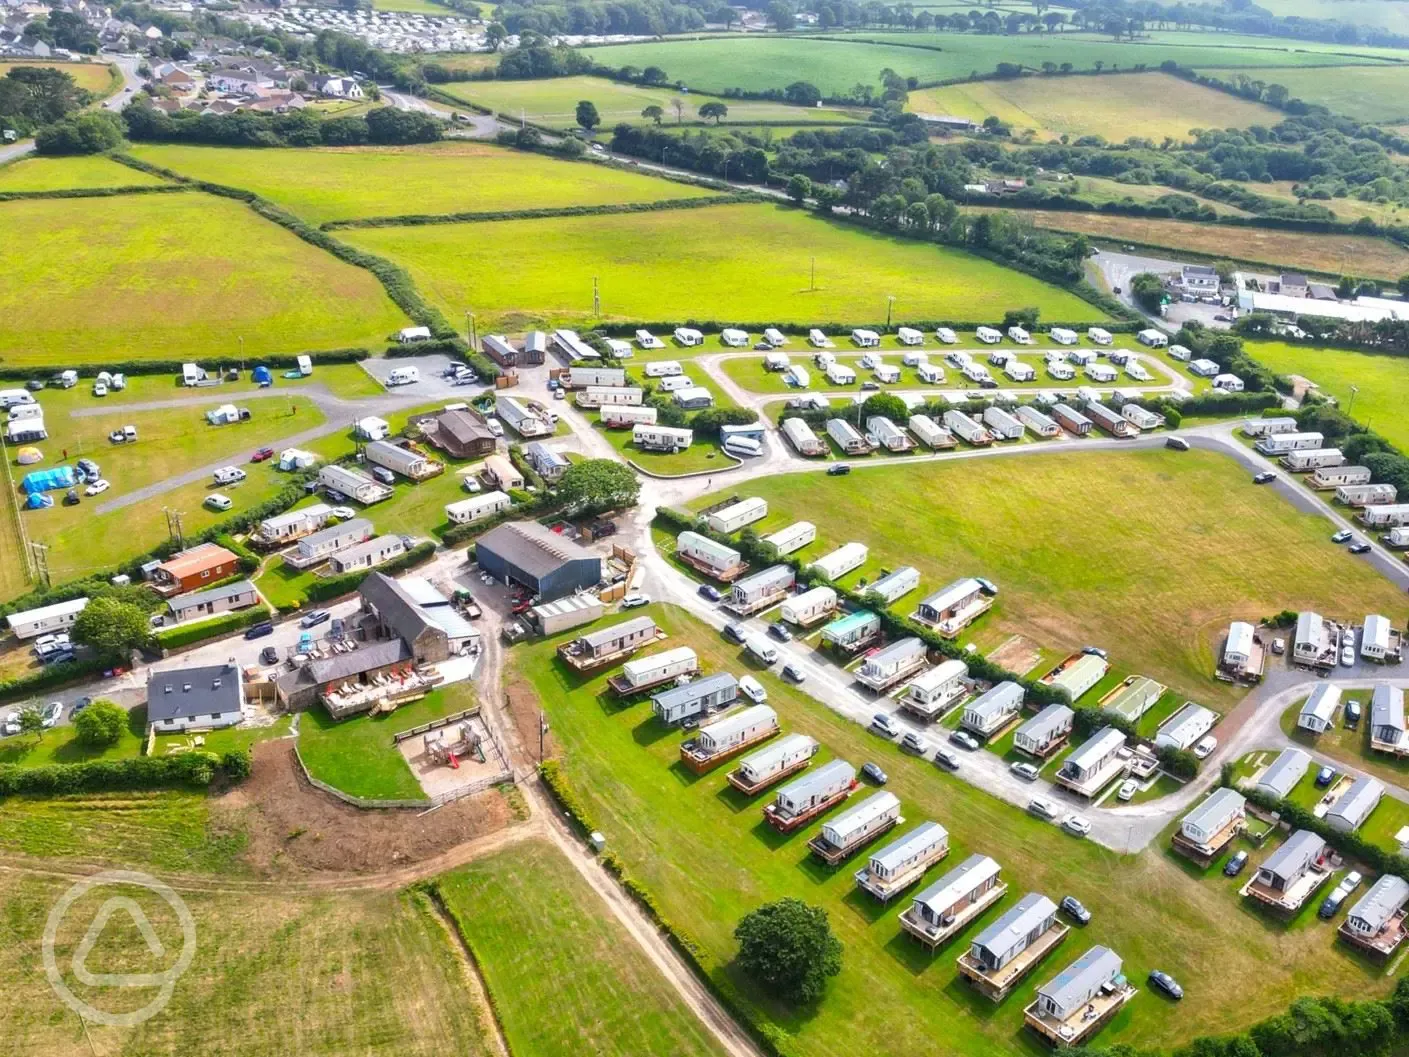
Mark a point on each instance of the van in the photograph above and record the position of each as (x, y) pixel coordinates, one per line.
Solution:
(229, 475)
(762, 649)
(1043, 808)
(14, 398)
(404, 376)
(216, 501)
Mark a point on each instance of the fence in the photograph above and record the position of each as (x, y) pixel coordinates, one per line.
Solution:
(402, 735)
(479, 785)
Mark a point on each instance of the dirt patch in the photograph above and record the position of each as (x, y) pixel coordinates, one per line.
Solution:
(1017, 654)
(294, 828)
(521, 708)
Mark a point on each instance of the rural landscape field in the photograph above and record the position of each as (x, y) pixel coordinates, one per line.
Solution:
(753, 531)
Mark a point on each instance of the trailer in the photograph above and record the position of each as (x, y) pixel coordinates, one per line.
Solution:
(1035, 420)
(887, 667)
(689, 701)
(620, 415)
(1002, 425)
(688, 337)
(1018, 371)
(648, 673)
(792, 538)
(755, 593)
(1098, 335)
(1367, 494)
(840, 374)
(1063, 336)
(583, 377)
(710, 557)
(930, 432)
(1316, 459)
(1072, 420)
(896, 585)
(865, 339)
(965, 427)
(652, 437)
(975, 372)
(663, 369)
(802, 438)
(803, 799)
(770, 765)
(808, 608)
(988, 335)
(835, 564)
(1141, 418)
(910, 336)
(845, 436)
(609, 396)
(674, 383)
(856, 827)
(733, 337)
(775, 337)
(1283, 443)
(647, 340)
(1115, 424)
(796, 376)
(888, 435)
(819, 340)
(727, 737)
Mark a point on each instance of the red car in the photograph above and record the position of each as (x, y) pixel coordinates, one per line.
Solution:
(262, 454)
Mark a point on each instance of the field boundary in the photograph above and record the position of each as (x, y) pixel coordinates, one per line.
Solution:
(94, 192)
(547, 212)
(479, 785)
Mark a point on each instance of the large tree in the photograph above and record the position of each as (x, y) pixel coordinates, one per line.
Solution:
(587, 116)
(112, 628)
(100, 724)
(653, 113)
(788, 947)
(714, 110)
(598, 484)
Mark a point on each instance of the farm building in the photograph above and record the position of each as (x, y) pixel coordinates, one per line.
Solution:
(1153, 338)
(519, 418)
(206, 697)
(835, 564)
(903, 860)
(1071, 420)
(807, 797)
(1263, 427)
(852, 632)
(736, 515)
(954, 900)
(415, 612)
(1367, 494)
(46, 619)
(1183, 729)
(462, 434)
(1380, 640)
(888, 434)
(762, 589)
(1315, 640)
(1010, 948)
(1376, 922)
(930, 432)
(1077, 674)
(1093, 763)
(647, 673)
(1035, 420)
(564, 614)
(650, 437)
(1115, 424)
(354, 484)
(1098, 335)
(991, 712)
(477, 508)
(792, 538)
(954, 607)
(595, 377)
(1318, 711)
(1288, 876)
(1081, 999)
(1133, 698)
(503, 472)
(709, 556)
(758, 770)
(802, 438)
(846, 437)
(498, 349)
(538, 559)
(194, 568)
(366, 555)
(1354, 806)
(1045, 732)
(931, 692)
(1387, 727)
(693, 398)
(605, 645)
(1282, 443)
(550, 464)
(688, 337)
(239, 595)
(285, 528)
(317, 547)
(966, 428)
(1388, 516)
(609, 396)
(1282, 775)
(808, 608)
(856, 827)
(571, 346)
(726, 737)
(1302, 461)
(613, 415)
(1206, 830)
(401, 460)
(888, 666)
(1335, 476)
(664, 369)
(1002, 425)
(897, 584)
(865, 339)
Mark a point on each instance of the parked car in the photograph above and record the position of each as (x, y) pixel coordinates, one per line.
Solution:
(1203, 749)
(1325, 776)
(735, 632)
(1177, 443)
(870, 386)
(841, 469)
(1042, 807)
(216, 501)
(1162, 981)
(915, 743)
(11, 724)
(261, 454)
(1264, 477)
(780, 632)
(98, 487)
(964, 740)
(52, 713)
(1076, 825)
(1078, 913)
(944, 758)
(258, 631)
(1352, 714)
(269, 655)
(342, 513)
(1359, 547)
(794, 673)
(873, 771)
(1025, 771)
(312, 620)
(89, 469)
(34, 384)
(1094, 651)
(753, 689)
(1279, 646)
(635, 601)
(1234, 866)
(1348, 656)
(381, 473)
(1128, 789)
(882, 723)
(1332, 903)
(71, 497)
(1341, 536)
(79, 706)
(710, 592)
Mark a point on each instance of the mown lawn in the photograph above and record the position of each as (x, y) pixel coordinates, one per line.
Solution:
(748, 263)
(702, 455)
(1149, 554)
(61, 745)
(562, 973)
(1350, 747)
(749, 372)
(156, 276)
(95, 77)
(62, 174)
(669, 826)
(450, 177)
(357, 755)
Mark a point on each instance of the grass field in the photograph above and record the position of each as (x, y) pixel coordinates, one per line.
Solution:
(62, 174)
(1369, 93)
(553, 102)
(321, 185)
(701, 455)
(93, 76)
(1323, 254)
(61, 745)
(1099, 190)
(665, 823)
(1151, 105)
(371, 973)
(1383, 381)
(762, 274)
(357, 755)
(1392, 15)
(156, 276)
(1149, 554)
(1349, 746)
(561, 971)
(1343, 208)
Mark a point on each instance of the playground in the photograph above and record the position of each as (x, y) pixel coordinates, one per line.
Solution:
(453, 755)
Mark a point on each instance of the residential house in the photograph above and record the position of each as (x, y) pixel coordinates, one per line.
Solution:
(197, 604)
(204, 697)
(461, 434)
(194, 568)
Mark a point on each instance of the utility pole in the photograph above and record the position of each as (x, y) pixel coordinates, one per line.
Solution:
(812, 282)
(596, 299)
(890, 304)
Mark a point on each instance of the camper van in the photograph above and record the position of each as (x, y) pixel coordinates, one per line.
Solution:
(404, 376)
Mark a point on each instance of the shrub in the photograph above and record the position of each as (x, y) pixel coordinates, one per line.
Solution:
(789, 948)
(141, 772)
(100, 724)
(175, 638)
(237, 764)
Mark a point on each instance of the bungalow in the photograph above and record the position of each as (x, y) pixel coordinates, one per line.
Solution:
(931, 692)
(992, 711)
(194, 568)
(1183, 729)
(197, 604)
(954, 607)
(946, 907)
(1045, 732)
(205, 697)
(1349, 812)
(1209, 828)
(1282, 775)
(1318, 711)
(353, 483)
(1094, 763)
(1376, 922)
(1387, 728)
(1010, 948)
(1081, 999)
(1290, 874)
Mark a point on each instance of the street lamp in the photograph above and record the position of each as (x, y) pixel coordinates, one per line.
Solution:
(1354, 391)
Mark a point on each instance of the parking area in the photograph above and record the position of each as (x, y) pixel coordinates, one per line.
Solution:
(432, 384)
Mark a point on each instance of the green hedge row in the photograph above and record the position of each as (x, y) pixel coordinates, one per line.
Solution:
(49, 676)
(141, 772)
(421, 219)
(1178, 762)
(173, 367)
(337, 586)
(184, 635)
(92, 192)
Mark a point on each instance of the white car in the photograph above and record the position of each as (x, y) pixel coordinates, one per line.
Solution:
(12, 723)
(343, 513)
(634, 601)
(1076, 826)
(494, 427)
(1128, 789)
(216, 501)
(753, 690)
(1348, 656)
(98, 487)
(1205, 747)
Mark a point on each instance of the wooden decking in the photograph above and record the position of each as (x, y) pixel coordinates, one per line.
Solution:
(1204, 854)
(1381, 945)
(832, 855)
(1084, 1022)
(737, 781)
(702, 763)
(997, 985)
(934, 937)
(789, 823)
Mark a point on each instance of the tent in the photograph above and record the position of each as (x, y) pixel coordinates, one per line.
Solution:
(29, 456)
(262, 376)
(38, 500)
(44, 480)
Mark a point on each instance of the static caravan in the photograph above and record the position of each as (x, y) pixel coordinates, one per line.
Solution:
(965, 427)
(628, 415)
(1153, 338)
(807, 797)
(1367, 494)
(366, 555)
(844, 435)
(856, 827)
(1018, 371)
(582, 377)
(609, 396)
(897, 584)
(865, 339)
(477, 508)
(520, 419)
(761, 589)
(664, 369)
(1093, 763)
(888, 434)
(498, 349)
(1263, 427)
(1316, 459)
(674, 384)
(1140, 417)
(1354, 806)
(1036, 421)
(988, 335)
(728, 736)
(903, 861)
(645, 673)
(1002, 425)
(993, 710)
(1282, 443)
(1377, 920)
(1018, 334)
(1318, 712)
(808, 608)
(733, 337)
(793, 538)
(1397, 538)
(1183, 729)
(975, 372)
(1029, 925)
(954, 606)
(1099, 336)
(622, 350)
(850, 633)
(651, 437)
(1063, 336)
(954, 900)
(1335, 476)
(931, 692)
(353, 483)
(1282, 775)
(1208, 828)
(1387, 516)
(930, 432)
(1077, 674)
(696, 698)
(1116, 425)
(802, 438)
(930, 373)
(1101, 373)
(1044, 732)
(709, 556)
(1229, 383)
(1072, 420)
(840, 374)
(818, 340)
(736, 515)
(688, 337)
(945, 335)
(888, 666)
(46, 619)
(788, 755)
(910, 336)
(836, 564)
(775, 337)
(1204, 368)
(796, 376)
(647, 340)
(914, 358)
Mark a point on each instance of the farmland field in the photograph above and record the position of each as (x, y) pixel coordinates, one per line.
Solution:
(553, 102)
(664, 823)
(561, 971)
(93, 76)
(1099, 189)
(1369, 93)
(1322, 254)
(1149, 554)
(1383, 400)
(61, 174)
(745, 263)
(1151, 105)
(339, 184)
(1392, 15)
(163, 276)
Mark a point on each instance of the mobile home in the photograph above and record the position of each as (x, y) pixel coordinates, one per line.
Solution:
(46, 619)
(709, 556)
(1206, 830)
(835, 564)
(845, 436)
(954, 606)
(628, 415)
(353, 483)
(696, 698)
(808, 608)
(1349, 813)
(895, 585)
(1282, 443)
(1183, 729)
(788, 755)
(930, 432)
(762, 589)
(1263, 427)
(1093, 763)
(736, 515)
(647, 673)
(1386, 516)
(856, 827)
(886, 667)
(933, 691)
(792, 538)
(1140, 417)
(652, 437)
(1116, 425)
(477, 508)
(852, 632)
(1045, 732)
(519, 418)
(803, 799)
(1301, 461)
(1002, 425)
(992, 711)
(1035, 420)
(1335, 476)
(954, 900)
(903, 861)
(1012, 946)
(726, 737)
(962, 425)
(1071, 420)
(609, 396)
(1077, 674)
(888, 434)
(802, 438)
(597, 377)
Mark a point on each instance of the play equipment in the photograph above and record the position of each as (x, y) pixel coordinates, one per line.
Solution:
(449, 745)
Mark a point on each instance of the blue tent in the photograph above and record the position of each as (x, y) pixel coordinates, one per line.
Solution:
(38, 501)
(45, 480)
(262, 376)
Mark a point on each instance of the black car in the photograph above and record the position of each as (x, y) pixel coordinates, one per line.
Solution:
(873, 771)
(34, 384)
(1358, 548)
(1177, 443)
(709, 592)
(780, 632)
(1264, 477)
(841, 469)
(258, 631)
(1166, 983)
(1234, 866)
(1352, 714)
(269, 655)
(71, 497)
(1078, 913)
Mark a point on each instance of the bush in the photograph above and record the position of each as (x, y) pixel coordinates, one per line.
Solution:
(184, 635)
(237, 764)
(335, 586)
(89, 133)
(789, 948)
(141, 772)
(100, 724)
